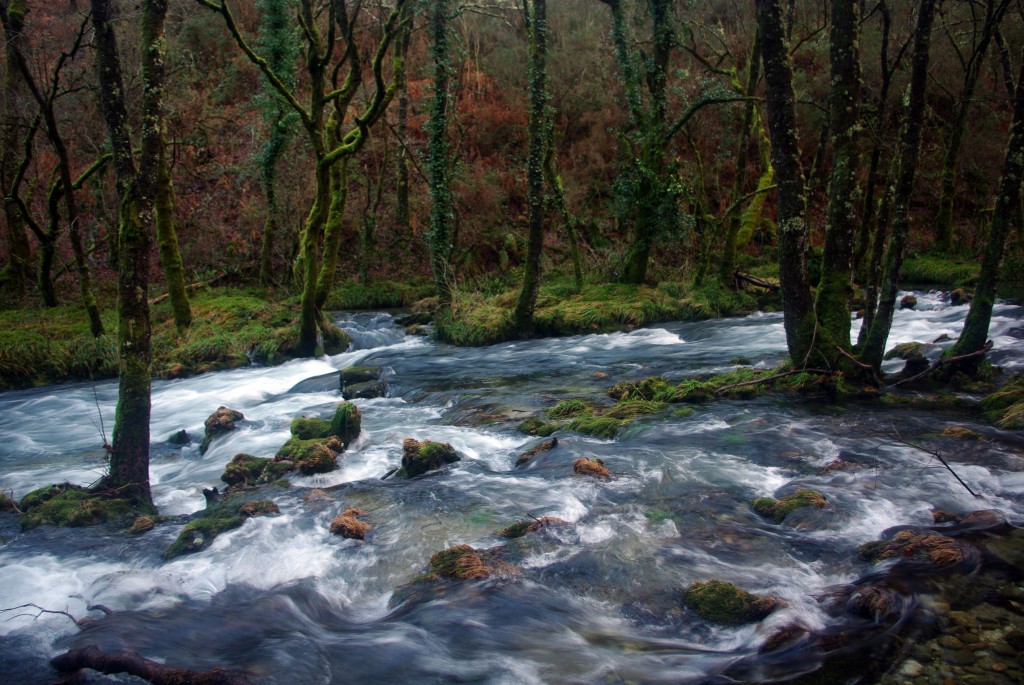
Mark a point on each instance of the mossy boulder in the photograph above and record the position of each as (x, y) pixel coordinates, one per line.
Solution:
(305, 428)
(958, 297)
(348, 525)
(222, 421)
(778, 509)
(540, 447)
(919, 545)
(418, 457)
(335, 340)
(585, 466)
(245, 470)
(365, 391)
(463, 562)
(722, 602)
(346, 424)
(907, 351)
(311, 456)
(351, 375)
(227, 514)
(71, 505)
(521, 528)
(536, 426)
(258, 507)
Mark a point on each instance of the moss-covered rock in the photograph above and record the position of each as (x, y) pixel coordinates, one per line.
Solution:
(245, 470)
(218, 423)
(920, 545)
(311, 456)
(7, 504)
(649, 389)
(346, 424)
(348, 525)
(585, 466)
(722, 602)
(350, 375)
(538, 427)
(335, 340)
(521, 528)
(419, 457)
(778, 509)
(908, 302)
(960, 433)
(258, 507)
(305, 428)
(365, 391)
(529, 454)
(227, 514)
(463, 562)
(71, 505)
(907, 351)
(568, 409)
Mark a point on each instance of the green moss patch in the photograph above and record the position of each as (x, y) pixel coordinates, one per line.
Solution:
(536, 426)
(245, 470)
(521, 528)
(778, 509)
(418, 457)
(568, 409)
(310, 429)
(722, 602)
(940, 270)
(318, 455)
(228, 514)
(71, 505)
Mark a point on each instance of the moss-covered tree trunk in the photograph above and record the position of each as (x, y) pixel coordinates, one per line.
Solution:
(989, 23)
(781, 107)
(835, 289)
(910, 144)
(401, 129)
(441, 217)
(129, 457)
(167, 242)
(539, 131)
(18, 270)
(975, 332)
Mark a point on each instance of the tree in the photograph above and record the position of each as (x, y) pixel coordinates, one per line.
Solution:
(440, 237)
(334, 131)
(540, 132)
(975, 333)
(137, 191)
(910, 142)
(19, 266)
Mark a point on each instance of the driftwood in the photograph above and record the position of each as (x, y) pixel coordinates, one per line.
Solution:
(942, 362)
(71, 663)
(189, 288)
(754, 280)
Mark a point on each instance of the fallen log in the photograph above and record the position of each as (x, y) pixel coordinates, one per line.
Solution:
(71, 663)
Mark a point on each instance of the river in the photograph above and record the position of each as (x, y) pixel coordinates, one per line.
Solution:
(598, 601)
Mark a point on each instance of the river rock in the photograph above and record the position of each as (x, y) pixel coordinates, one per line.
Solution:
(883, 602)
(908, 302)
(722, 602)
(585, 466)
(463, 562)
(958, 297)
(529, 454)
(246, 471)
(351, 375)
(419, 457)
(922, 546)
(311, 456)
(179, 438)
(778, 509)
(347, 525)
(365, 391)
(521, 528)
(218, 423)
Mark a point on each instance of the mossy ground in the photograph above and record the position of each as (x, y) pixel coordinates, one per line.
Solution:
(1005, 407)
(477, 319)
(72, 505)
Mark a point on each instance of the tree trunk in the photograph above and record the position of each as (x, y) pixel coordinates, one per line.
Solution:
(994, 10)
(440, 238)
(18, 270)
(835, 289)
(975, 331)
(540, 126)
(167, 241)
(781, 105)
(333, 231)
(910, 143)
(401, 128)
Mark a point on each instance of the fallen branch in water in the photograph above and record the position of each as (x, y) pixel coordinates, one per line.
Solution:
(92, 657)
(80, 622)
(902, 441)
(820, 372)
(943, 361)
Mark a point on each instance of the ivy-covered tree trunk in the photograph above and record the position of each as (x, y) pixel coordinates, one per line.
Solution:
(910, 144)
(975, 332)
(835, 289)
(441, 218)
(781, 106)
(401, 129)
(540, 126)
(129, 456)
(167, 242)
(18, 270)
(993, 15)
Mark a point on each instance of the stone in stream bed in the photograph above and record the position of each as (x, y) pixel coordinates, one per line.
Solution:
(778, 509)
(529, 454)
(419, 457)
(229, 513)
(222, 421)
(921, 546)
(722, 602)
(585, 466)
(521, 528)
(348, 525)
(463, 562)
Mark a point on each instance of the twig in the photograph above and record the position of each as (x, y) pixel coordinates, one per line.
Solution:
(794, 372)
(901, 440)
(943, 361)
(80, 622)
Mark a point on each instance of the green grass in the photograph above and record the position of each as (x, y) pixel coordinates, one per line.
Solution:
(378, 295)
(940, 270)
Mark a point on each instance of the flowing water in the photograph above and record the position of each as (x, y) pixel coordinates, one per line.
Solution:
(285, 601)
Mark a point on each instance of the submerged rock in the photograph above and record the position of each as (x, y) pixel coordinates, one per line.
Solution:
(258, 507)
(585, 466)
(310, 456)
(347, 525)
(778, 509)
(228, 514)
(722, 602)
(419, 457)
(179, 438)
(351, 375)
(536, 426)
(529, 454)
(365, 391)
(218, 423)
(883, 602)
(521, 528)
(908, 302)
(463, 562)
